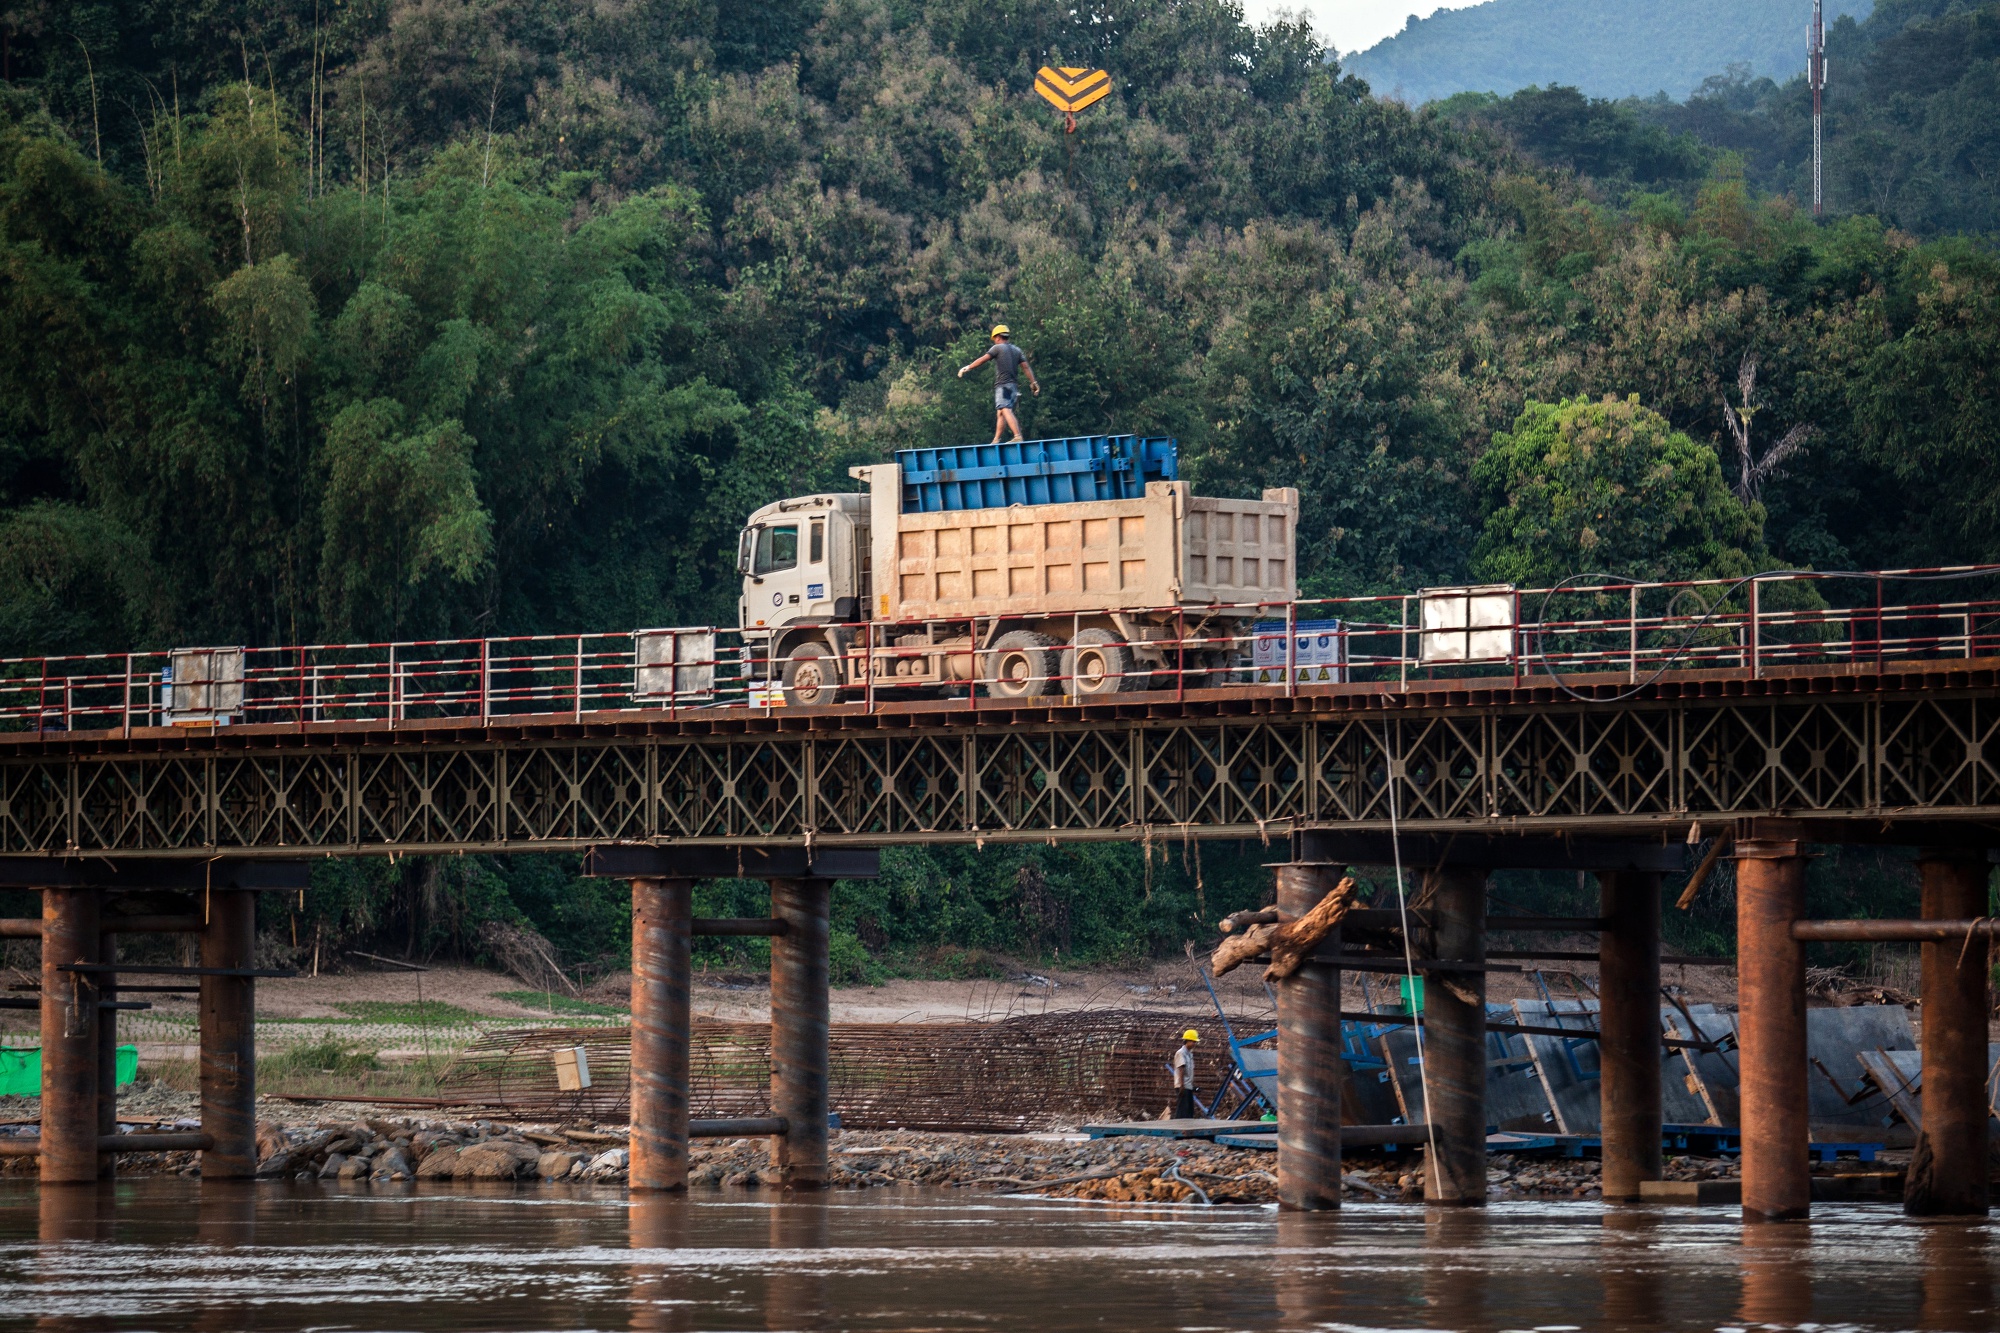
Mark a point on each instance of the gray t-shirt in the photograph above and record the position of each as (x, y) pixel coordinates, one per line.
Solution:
(1007, 358)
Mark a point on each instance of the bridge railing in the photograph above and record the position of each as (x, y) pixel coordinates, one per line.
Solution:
(1595, 632)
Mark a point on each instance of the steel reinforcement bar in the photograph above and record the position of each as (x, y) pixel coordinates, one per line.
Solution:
(1896, 746)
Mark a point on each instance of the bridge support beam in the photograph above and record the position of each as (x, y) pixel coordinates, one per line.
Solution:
(1310, 1066)
(1455, 1040)
(1947, 1175)
(799, 1017)
(69, 1036)
(661, 919)
(1771, 988)
(228, 1009)
(1629, 987)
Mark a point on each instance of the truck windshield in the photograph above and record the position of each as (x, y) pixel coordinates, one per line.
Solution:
(777, 548)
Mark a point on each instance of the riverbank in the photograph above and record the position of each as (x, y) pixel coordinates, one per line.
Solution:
(357, 1142)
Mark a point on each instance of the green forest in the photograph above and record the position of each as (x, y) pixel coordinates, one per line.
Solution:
(1607, 48)
(411, 318)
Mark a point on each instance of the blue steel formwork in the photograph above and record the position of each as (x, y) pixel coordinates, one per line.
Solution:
(1035, 472)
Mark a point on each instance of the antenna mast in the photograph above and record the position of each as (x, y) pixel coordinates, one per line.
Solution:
(1816, 79)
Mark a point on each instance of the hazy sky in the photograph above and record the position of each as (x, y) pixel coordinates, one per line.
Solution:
(1353, 25)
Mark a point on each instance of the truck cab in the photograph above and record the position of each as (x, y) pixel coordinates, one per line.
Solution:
(804, 561)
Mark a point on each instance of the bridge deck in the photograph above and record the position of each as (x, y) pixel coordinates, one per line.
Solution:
(1911, 741)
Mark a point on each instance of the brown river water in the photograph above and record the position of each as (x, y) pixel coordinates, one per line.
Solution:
(168, 1253)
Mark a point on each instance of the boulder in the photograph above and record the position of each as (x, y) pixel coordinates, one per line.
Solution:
(609, 1163)
(440, 1163)
(354, 1168)
(334, 1161)
(393, 1163)
(495, 1159)
(555, 1165)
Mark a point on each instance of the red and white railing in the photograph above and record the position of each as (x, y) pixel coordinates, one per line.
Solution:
(1601, 631)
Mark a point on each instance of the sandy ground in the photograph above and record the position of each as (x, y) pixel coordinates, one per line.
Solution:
(1172, 988)
(1169, 987)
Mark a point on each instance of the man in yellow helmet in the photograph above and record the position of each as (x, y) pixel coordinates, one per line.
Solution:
(1006, 359)
(1183, 1067)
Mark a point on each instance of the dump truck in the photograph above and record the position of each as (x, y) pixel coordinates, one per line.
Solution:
(1080, 566)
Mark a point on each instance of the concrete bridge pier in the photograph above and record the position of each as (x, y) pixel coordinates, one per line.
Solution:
(1948, 1175)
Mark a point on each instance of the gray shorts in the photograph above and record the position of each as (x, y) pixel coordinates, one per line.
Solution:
(1005, 396)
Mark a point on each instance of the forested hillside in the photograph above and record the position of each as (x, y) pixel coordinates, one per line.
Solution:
(418, 317)
(1606, 48)
(1912, 118)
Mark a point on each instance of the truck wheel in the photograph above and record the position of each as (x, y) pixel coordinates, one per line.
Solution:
(811, 676)
(1021, 665)
(1099, 663)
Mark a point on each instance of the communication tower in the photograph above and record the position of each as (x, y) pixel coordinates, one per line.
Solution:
(1816, 79)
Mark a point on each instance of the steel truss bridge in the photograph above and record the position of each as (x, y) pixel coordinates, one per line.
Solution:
(1837, 717)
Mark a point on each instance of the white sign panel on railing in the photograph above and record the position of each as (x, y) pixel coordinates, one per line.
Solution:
(676, 664)
(1318, 655)
(1473, 624)
(204, 686)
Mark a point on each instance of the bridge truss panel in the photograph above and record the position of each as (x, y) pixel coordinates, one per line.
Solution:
(1552, 766)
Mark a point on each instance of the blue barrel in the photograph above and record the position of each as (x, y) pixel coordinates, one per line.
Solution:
(1035, 472)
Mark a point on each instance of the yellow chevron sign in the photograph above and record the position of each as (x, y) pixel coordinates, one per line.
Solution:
(1071, 90)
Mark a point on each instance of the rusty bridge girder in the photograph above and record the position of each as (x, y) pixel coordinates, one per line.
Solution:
(1891, 747)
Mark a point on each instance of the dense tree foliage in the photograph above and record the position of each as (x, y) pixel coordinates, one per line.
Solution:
(414, 317)
(1910, 104)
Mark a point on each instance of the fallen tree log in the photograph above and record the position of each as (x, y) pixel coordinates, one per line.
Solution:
(1289, 941)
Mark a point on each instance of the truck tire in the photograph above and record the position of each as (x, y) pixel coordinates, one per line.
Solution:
(1099, 664)
(1021, 665)
(811, 677)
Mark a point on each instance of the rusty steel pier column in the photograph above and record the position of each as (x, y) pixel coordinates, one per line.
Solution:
(1947, 1173)
(1629, 987)
(69, 1037)
(799, 1003)
(107, 1051)
(229, 1037)
(1771, 1027)
(1454, 1041)
(1309, 1060)
(662, 915)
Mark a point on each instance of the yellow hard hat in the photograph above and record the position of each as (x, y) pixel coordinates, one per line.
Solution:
(1001, 331)
(1190, 1035)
